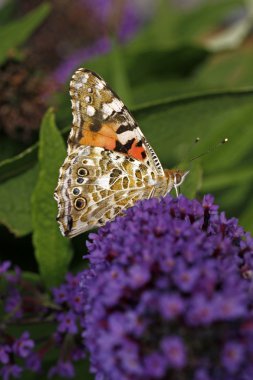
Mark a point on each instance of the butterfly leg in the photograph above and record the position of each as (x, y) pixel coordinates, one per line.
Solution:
(178, 191)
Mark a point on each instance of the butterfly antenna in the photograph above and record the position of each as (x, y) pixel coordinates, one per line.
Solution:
(211, 149)
(192, 146)
(186, 159)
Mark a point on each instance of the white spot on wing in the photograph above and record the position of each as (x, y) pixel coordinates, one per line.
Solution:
(76, 112)
(104, 182)
(116, 105)
(106, 109)
(91, 111)
(100, 85)
(85, 78)
(125, 136)
(77, 105)
(61, 228)
(83, 151)
(78, 85)
(151, 182)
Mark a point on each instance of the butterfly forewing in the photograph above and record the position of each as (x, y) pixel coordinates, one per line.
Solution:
(101, 119)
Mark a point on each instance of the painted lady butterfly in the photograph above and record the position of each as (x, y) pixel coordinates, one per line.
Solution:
(110, 165)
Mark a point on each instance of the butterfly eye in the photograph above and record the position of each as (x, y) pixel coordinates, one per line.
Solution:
(82, 172)
(80, 203)
(177, 178)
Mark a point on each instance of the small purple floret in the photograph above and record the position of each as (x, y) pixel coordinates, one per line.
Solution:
(64, 369)
(67, 322)
(5, 351)
(23, 345)
(11, 371)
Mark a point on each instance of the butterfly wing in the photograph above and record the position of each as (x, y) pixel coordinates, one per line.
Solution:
(96, 185)
(109, 166)
(101, 119)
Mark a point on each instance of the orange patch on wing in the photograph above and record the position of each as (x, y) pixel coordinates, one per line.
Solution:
(137, 152)
(105, 137)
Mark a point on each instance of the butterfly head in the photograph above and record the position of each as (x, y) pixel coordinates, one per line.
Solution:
(179, 176)
(175, 178)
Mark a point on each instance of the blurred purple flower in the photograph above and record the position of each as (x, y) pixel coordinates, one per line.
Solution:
(60, 294)
(170, 266)
(13, 303)
(130, 23)
(201, 374)
(23, 301)
(155, 366)
(23, 345)
(233, 356)
(174, 350)
(15, 276)
(63, 72)
(62, 368)
(33, 362)
(4, 354)
(4, 266)
(76, 302)
(67, 322)
(171, 306)
(102, 8)
(13, 349)
(11, 370)
(127, 13)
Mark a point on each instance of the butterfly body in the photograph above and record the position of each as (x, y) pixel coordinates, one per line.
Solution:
(109, 165)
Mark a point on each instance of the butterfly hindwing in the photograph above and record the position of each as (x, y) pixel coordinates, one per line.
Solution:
(97, 185)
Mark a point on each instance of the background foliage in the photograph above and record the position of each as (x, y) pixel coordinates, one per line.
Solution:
(186, 73)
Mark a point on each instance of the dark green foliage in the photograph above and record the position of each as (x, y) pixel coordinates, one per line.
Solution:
(52, 252)
(17, 32)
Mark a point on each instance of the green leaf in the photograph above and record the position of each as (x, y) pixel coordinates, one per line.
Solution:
(246, 218)
(171, 26)
(15, 195)
(52, 251)
(226, 70)
(18, 164)
(9, 147)
(14, 34)
(193, 181)
(165, 73)
(120, 77)
(236, 176)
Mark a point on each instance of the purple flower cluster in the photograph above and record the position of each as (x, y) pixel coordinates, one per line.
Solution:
(125, 16)
(70, 320)
(24, 303)
(64, 70)
(16, 349)
(169, 294)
